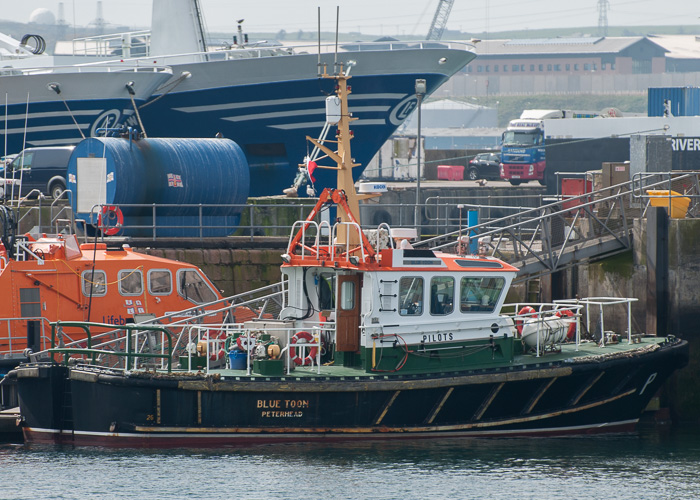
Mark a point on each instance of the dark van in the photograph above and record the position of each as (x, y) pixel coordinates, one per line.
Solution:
(41, 168)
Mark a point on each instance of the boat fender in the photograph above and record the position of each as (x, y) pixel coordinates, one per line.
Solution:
(110, 220)
(527, 310)
(245, 343)
(303, 338)
(571, 332)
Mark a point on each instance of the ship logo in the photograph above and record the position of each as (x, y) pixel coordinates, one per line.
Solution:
(403, 109)
(107, 119)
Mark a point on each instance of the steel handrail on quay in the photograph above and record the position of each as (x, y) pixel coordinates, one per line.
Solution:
(569, 229)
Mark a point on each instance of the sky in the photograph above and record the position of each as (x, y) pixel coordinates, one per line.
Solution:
(381, 17)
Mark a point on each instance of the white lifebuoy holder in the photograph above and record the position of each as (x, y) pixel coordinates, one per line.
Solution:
(110, 220)
(302, 338)
(245, 343)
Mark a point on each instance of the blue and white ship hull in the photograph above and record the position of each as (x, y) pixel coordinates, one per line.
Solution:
(269, 104)
(59, 106)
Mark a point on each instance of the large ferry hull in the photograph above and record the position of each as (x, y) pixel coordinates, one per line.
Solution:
(97, 407)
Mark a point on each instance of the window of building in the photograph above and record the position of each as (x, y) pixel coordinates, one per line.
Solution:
(160, 282)
(442, 290)
(532, 67)
(505, 68)
(480, 294)
(515, 67)
(94, 283)
(488, 68)
(479, 68)
(612, 66)
(595, 66)
(411, 296)
(602, 65)
(522, 67)
(130, 282)
(495, 68)
(549, 67)
(541, 67)
(557, 67)
(575, 67)
(586, 67)
(568, 67)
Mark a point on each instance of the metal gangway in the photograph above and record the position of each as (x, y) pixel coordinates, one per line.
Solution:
(568, 230)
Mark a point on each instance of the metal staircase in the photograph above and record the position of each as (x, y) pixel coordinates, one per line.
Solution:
(570, 230)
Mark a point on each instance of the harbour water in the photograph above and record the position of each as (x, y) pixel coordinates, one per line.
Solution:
(655, 465)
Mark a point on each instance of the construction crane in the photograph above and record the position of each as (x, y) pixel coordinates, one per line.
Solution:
(437, 27)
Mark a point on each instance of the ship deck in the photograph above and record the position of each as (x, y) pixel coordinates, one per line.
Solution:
(565, 353)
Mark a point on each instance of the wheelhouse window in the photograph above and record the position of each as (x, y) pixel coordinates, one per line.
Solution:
(411, 296)
(480, 294)
(192, 286)
(130, 282)
(94, 283)
(442, 289)
(326, 291)
(160, 282)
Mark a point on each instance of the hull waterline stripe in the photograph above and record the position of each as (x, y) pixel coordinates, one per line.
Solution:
(281, 102)
(293, 126)
(282, 114)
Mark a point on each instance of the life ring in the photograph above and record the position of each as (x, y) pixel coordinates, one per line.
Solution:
(107, 216)
(571, 332)
(527, 310)
(311, 357)
(245, 343)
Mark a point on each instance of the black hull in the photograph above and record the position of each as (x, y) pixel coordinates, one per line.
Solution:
(96, 407)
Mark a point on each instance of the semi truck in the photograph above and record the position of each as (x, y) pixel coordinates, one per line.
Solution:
(523, 143)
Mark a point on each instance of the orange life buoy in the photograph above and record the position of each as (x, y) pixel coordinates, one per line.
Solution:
(110, 220)
(527, 310)
(309, 359)
(571, 332)
(246, 343)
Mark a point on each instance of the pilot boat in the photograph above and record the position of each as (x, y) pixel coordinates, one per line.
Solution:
(375, 340)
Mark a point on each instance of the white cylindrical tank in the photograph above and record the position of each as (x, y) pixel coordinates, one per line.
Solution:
(333, 109)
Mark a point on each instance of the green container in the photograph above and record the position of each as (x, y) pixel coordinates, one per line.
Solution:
(269, 367)
(197, 362)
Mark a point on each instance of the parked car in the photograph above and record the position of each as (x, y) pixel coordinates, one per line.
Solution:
(484, 166)
(41, 168)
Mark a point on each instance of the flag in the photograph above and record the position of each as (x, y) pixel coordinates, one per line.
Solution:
(310, 167)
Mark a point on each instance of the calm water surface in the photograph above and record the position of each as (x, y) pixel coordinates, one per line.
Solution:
(652, 466)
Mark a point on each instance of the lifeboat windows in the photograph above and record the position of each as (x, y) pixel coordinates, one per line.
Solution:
(130, 282)
(160, 282)
(411, 296)
(94, 283)
(442, 292)
(192, 286)
(480, 294)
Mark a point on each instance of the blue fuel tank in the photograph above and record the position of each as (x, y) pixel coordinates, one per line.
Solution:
(170, 173)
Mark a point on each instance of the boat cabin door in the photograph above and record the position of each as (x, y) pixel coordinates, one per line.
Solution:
(348, 313)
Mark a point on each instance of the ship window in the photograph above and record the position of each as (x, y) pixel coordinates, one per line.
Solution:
(347, 295)
(160, 282)
(94, 283)
(411, 296)
(193, 287)
(480, 294)
(442, 292)
(326, 291)
(30, 302)
(130, 282)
